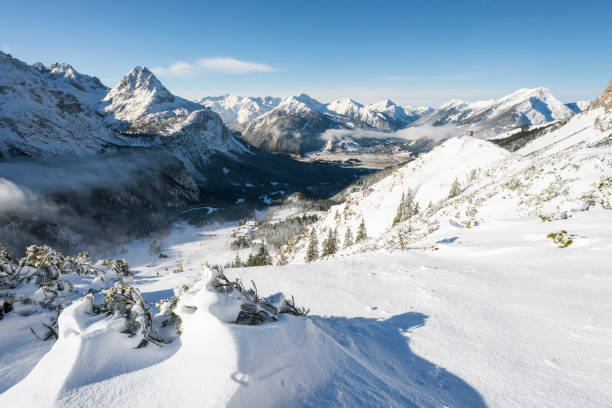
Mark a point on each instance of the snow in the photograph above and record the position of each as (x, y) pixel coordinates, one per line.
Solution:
(238, 109)
(498, 316)
(522, 107)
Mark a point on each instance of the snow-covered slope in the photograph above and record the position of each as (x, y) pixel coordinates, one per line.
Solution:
(498, 316)
(239, 109)
(566, 169)
(487, 118)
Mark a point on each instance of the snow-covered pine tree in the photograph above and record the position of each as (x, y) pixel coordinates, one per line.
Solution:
(361, 232)
(400, 211)
(406, 209)
(330, 245)
(455, 189)
(312, 252)
(348, 237)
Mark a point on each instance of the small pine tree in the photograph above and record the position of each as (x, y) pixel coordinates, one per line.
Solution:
(455, 189)
(348, 238)
(261, 258)
(312, 252)
(406, 209)
(237, 262)
(400, 211)
(330, 245)
(361, 232)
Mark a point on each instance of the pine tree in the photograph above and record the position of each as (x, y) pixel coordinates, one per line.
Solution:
(361, 232)
(330, 245)
(237, 262)
(313, 247)
(348, 238)
(406, 209)
(261, 258)
(455, 189)
(400, 211)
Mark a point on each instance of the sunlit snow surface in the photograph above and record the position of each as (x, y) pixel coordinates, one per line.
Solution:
(498, 316)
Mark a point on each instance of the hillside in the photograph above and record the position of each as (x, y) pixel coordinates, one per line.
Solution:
(552, 176)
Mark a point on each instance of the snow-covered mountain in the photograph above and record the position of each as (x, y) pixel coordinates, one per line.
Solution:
(140, 105)
(49, 111)
(399, 116)
(296, 124)
(239, 109)
(487, 118)
(358, 115)
(55, 110)
(383, 115)
(467, 182)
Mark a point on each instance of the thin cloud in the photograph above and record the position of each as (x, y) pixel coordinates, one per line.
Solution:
(229, 65)
(226, 65)
(178, 69)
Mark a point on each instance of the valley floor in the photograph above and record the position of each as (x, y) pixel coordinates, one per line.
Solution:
(496, 316)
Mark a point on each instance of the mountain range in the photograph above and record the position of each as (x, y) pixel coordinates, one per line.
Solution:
(295, 124)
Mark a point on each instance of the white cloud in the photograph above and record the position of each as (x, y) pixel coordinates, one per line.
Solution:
(6, 48)
(178, 69)
(230, 65)
(226, 65)
(434, 133)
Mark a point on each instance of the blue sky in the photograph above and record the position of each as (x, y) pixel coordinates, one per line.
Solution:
(417, 53)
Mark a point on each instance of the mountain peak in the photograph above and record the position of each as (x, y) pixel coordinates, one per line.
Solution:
(301, 102)
(141, 82)
(141, 77)
(63, 70)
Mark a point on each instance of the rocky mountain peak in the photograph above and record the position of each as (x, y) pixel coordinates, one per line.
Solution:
(140, 80)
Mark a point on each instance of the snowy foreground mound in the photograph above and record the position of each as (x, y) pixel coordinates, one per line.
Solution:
(288, 360)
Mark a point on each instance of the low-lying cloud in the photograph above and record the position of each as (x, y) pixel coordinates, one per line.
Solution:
(434, 133)
(225, 65)
(78, 174)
